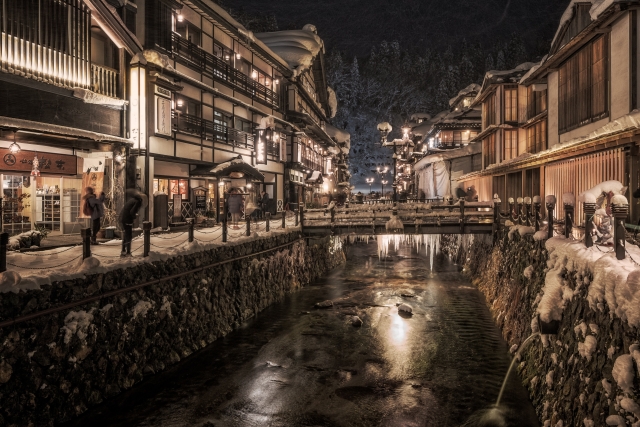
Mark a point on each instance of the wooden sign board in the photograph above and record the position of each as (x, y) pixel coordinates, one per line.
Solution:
(50, 163)
(177, 208)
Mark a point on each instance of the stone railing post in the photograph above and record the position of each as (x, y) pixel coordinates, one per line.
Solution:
(85, 233)
(146, 232)
(284, 219)
(527, 211)
(496, 217)
(248, 220)
(536, 212)
(461, 215)
(619, 210)
(302, 218)
(589, 212)
(568, 220)
(4, 241)
(512, 204)
(550, 220)
(191, 223)
(296, 219)
(267, 218)
(520, 202)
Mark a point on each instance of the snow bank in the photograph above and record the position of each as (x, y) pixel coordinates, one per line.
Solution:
(623, 373)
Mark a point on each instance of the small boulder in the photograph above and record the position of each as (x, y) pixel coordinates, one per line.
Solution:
(356, 321)
(324, 304)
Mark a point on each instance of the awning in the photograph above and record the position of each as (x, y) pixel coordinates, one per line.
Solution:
(315, 177)
(234, 168)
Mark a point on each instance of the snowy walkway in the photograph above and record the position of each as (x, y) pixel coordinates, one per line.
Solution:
(30, 270)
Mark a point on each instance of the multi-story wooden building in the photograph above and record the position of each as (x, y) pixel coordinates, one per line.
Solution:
(215, 107)
(577, 122)
(64, 111)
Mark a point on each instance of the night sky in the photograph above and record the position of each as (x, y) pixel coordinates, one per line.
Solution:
(354, 26)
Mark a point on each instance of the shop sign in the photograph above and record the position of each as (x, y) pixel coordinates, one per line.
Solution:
(262, 135)
(163, 116)
(200, 194)
(163, 92)
(177, 208)
(48, 163)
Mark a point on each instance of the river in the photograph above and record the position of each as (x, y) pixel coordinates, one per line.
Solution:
(294, 365)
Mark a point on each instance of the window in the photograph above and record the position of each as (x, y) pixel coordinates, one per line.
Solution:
(457, 137)
(582, 86)
(537, 137)
(222, 53)
(510, 144)
(489, 113)
(172, 186)
(242, 66)
(243, 125)
(511, 105)
(489, 150)
(188, 106)
(536, 102)
(189, 31)
(531, 183)
(446, 137)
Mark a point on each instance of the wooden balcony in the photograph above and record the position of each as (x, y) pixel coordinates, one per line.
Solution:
(104, 80)
(212, 131)
(218, 69)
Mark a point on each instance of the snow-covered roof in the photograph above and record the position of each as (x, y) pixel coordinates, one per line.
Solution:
(315, 176)
(297, 47)
(341, 136)
(333, 102)
(533, 70)
(237, 164)
(493, 77)
(597, 7)
(471, 90)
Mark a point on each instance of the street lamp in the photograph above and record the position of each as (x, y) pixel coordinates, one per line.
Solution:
(384, 181)
(384, 129)
(369, 181)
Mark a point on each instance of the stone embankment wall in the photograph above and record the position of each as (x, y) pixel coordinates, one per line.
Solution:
(54, 367)
(585, 376)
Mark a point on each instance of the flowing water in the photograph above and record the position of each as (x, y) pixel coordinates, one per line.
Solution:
(294, 365)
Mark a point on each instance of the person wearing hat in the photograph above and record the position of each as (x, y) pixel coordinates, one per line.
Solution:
(127, 216)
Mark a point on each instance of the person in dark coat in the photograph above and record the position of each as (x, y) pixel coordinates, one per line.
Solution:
(234, 201)
(126, 218)
(96, 206)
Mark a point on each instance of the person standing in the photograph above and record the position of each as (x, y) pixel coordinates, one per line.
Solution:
(235, 207)
(94, 208)
(264, 198)
(126, 218)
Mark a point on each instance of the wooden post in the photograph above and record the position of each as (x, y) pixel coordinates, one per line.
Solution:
(549, 220)
(224, 220)
(568, 220)
(589, 211)
(333, 215)
(1, 213)
(296, 223)
(462, 216)
(527, 211)
(302, 218)
(248, 219)
(520, 210)
(496, 219)
(4, 241)
(191, 223)
(284, 219)
(620, 213)
(267, 218)
(85, 233)
(146, 230)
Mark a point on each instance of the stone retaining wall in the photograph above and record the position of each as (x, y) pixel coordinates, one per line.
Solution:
(55, 367)
(570, 377)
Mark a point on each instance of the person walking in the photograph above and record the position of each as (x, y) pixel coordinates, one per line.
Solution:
(93, 207)
(235, 207)
(126, 218)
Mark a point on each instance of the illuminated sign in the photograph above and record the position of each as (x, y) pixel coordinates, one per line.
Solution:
(262, 136)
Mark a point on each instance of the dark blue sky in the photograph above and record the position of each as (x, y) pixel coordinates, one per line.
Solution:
(354, 26)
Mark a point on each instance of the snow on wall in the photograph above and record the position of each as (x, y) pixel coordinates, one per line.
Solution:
(90, 97)
(340, 135)
(333, 102)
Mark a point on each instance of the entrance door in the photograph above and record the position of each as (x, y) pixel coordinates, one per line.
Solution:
(270, 189)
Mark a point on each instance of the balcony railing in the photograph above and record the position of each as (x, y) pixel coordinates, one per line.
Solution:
(216, 67)
(312, 165)
(104, 80)
(207, 129)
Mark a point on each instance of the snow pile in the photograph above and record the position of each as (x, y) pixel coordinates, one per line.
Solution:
(297, 47)
(619, 200)
(528, 272)
(141, 308)
(395, 223)
(568, 199)
(593, 194)
(90, 97)
(405, 308)
(384, 127)
(540, 235)
(598, 6)
(616, 420)
(523, 230)
(154, 57)
(76, 322)
(623, 372)
(88, 265)
(587, 347)
(631, 406)
(339, 135)
(550, 199)
(10, 281)
(472, 89)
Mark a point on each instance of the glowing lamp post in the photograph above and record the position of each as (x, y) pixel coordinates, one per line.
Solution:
(369, 181)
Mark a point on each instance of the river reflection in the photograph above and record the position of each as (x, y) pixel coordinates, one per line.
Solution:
(294, 365)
